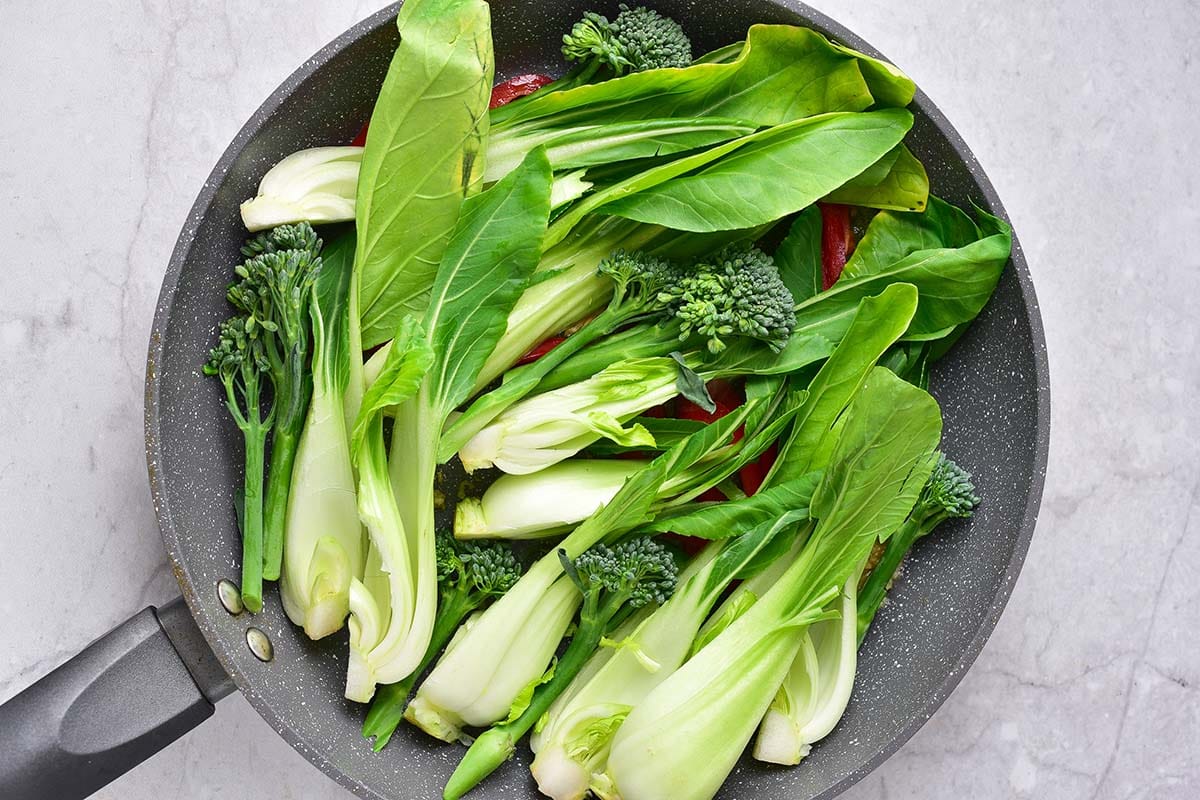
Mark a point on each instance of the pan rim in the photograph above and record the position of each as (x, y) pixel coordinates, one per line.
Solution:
(181, 252)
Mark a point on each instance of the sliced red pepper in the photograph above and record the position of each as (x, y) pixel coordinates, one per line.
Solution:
(361, 139)
(540, 350)
(724, 394)
(688, 544)
(753, 474)
(837, 241)
(727, 397)
(521, 85)
(664, 411)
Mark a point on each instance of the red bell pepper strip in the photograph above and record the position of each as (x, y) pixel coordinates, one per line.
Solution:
(727, 397)
(541, 349)
(837, 241)
(519, 86)
(753, 474)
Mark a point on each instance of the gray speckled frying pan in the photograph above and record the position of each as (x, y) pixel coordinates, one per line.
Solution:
(150, 680)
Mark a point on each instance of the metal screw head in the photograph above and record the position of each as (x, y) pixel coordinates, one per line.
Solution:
(259, 644)
(230, 597)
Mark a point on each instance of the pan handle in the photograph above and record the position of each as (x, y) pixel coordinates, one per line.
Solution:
(128, 695)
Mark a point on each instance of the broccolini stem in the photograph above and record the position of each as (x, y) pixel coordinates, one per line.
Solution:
(252, 513)
(289, 425)
(871, 596)
(387, 709)
(498, 743)
(639, 341)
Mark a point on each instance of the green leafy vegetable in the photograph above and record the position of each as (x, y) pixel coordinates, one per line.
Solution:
(421, 156)
(948, 494)
(720, 694)
(572, 747)
(490, 256)
(736, 184)
(902, 185)
(817, 688)
(323, 542)
(512, 642)
(735, 292)
(799, 255)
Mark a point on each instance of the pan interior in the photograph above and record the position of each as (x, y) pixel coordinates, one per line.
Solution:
(992, 388)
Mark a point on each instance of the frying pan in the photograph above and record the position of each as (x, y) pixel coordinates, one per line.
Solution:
(156, 676)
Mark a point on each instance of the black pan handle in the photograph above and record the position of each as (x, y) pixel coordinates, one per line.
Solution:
(128, 695)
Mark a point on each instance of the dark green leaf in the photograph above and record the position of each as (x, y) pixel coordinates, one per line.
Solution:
(720, 520)
(877, 324)
(953, 285)
(329, 311)
(887, 450)
(799, 255)
(758, 178)
(494, 249)
(783, 73)
(891, 237)
(691, 385)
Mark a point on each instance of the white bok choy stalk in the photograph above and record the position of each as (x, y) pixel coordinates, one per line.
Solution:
(816, 691)
(323, 543)
(316, 185)
(429, 370)
(543, 503)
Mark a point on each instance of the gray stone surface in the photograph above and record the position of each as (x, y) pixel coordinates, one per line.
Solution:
(1083, 114)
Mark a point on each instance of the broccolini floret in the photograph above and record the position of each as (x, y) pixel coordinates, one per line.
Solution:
(240, 361)
(275, 290)
(300, 236)
(638, 39)
(948, 493)
(615, 580)
(470, 575)
(738, 292)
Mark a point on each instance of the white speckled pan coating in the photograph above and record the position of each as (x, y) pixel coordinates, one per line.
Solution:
(994, 391)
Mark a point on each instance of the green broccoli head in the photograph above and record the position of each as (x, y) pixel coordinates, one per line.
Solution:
(300, 236)
(481, 569)
(633, 573)
(238, 346)
(651, 41)
(592, 40)
(240, 361)
(491, 567)
(638, 39)
(640, 278)
(737, 292)
(949, 491)
(274, 290)
(445, 554)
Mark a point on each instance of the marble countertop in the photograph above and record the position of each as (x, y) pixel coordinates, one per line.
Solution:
(1084, 115)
